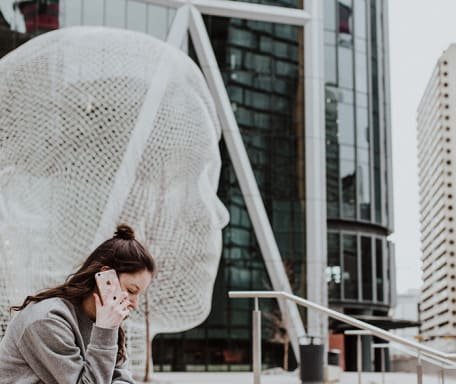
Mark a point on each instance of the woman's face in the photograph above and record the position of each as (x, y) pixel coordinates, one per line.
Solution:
(134, 284)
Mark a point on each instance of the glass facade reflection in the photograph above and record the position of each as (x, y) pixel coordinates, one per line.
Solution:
(356, 147)
(356, 268)
(262, 66)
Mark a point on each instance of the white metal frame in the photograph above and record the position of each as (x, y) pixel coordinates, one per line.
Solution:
(189, 18)
(238, 9)
(315, 148)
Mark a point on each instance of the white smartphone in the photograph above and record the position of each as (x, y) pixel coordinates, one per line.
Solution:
(108, 285)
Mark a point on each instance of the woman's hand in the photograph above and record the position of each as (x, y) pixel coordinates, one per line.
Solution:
(112, 312)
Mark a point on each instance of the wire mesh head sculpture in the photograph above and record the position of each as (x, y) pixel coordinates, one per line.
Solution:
(100, 126)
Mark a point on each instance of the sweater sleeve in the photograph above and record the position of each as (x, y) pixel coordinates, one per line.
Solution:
(48, 346)
(122, 374)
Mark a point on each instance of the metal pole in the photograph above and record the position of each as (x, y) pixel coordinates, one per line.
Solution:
(256, 317)
(358, 357)
(442, 376)
(382, 361)
(419, 369)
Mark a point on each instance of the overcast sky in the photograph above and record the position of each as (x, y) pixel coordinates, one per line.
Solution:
(420, 30)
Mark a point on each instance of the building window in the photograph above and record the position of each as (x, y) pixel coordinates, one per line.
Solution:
(366, 266)
(350, 274)
(379, 269)
(345, 17)
(334, 270)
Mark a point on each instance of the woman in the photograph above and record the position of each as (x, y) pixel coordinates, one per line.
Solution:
(66, 334)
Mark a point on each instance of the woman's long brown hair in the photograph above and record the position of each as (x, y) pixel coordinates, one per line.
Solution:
(122, 253)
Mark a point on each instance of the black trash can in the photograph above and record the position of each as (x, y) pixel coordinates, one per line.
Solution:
(311, 365)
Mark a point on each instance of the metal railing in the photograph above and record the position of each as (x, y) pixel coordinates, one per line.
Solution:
(443, 364)
(422, 351)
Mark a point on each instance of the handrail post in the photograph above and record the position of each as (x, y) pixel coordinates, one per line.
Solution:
(419, 369)
(442, 375)
(382, 362)
(359, 360)
(256, 340)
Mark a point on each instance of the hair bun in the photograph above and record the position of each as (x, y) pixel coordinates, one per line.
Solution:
(125, 232)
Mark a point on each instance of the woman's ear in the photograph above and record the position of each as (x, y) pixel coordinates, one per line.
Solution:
(105, 268)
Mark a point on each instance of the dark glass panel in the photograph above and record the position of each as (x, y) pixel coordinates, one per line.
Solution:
(379, 269)
(350, 274)
(286, 32)
(362, 128)
(345, 19)
(334, 269)
(364, 163)
(348, 181)
(378, 193)
(366, 266)
(24, 20)
(332, 155)
(364, 192)
(40, 15)
(375, 110)
(242, 38)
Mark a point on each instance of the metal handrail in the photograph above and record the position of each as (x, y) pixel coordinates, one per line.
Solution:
(376, 331)
(443, 363)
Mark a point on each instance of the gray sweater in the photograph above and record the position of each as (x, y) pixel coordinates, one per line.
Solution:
(54, 342)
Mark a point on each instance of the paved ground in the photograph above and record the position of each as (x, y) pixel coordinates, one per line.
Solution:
(393, 378)
(221, 378)
(247, 378)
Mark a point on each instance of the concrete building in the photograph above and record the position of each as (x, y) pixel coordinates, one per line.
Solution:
(437, 167)
(406, 308)
(263, 65)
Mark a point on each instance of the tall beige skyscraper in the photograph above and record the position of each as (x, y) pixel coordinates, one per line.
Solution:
(437, 185)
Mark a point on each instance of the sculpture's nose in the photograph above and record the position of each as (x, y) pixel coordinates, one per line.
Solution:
(222, 215)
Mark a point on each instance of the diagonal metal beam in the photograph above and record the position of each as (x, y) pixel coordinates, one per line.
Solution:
(241, 10)
(179, 28)
(245, 176)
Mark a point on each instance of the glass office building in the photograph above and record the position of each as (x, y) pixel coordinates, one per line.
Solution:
(262, 65)
(262, 68)
(358, 162)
